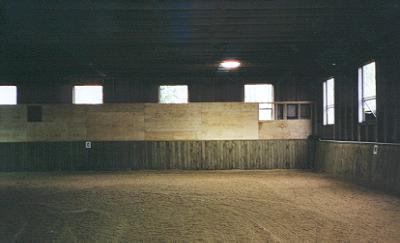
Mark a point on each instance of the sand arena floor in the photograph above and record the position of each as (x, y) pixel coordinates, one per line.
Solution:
(193, 206)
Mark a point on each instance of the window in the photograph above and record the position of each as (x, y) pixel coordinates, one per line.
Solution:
(367, 92)
(292, 111)
(173, 94)
(263, 94)
(8, 95)
(87, 94)
(329, 101)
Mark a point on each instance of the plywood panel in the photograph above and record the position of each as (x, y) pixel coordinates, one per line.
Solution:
(12, 113)
(172, 121)
(115, 122)
(115, 126)
(13, 131)
(285, 129)
(59, 123)
(64, 113)
(154, 122)
(229, 121)
(12, 123)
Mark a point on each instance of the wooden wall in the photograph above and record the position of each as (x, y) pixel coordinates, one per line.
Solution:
(356, 162)
(386, 128)
(145, 121)
(108, 155)
(278, 129)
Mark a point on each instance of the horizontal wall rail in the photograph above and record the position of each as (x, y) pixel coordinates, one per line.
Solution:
(358, 142)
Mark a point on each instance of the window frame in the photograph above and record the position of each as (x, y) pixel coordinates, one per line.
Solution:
(361, 99)
(261, 103)
(187, 95)
(325, 98)
(87, 103)
(16, 95)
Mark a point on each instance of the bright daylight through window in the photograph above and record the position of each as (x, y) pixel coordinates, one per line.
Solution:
(87, 94)
(367, 92)
(170, 94)
(8, 95)
(329, 101)
(263, 94)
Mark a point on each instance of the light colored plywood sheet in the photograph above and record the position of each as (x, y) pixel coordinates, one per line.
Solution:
(13, 132)
(64, 113)
(285, 129)
(116, 107)
(12, 113)
(229, 121)
(115, 125)
(194, 121)
(52, 131)
(172, 121)
(12, 123)
(60, 122)
(175, 135)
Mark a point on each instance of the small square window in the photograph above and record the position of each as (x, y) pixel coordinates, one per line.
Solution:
(263, 94)
(265, 112)
(305, 111)
(8, 95)
(87, 94)
(258, 93)
(292, 111)
(173, 94)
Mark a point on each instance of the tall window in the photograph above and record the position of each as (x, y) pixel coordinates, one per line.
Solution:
(329, 101)
(367, 92)
(263, 94)
(8, 95)
(87, 94)
(173, 94)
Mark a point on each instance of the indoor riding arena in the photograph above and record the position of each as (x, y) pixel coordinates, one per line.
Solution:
(199, 121)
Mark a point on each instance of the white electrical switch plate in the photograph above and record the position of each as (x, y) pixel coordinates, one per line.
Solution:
(375, 152)
(88, 145)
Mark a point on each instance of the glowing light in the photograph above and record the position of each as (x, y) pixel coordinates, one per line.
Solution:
(230, 64)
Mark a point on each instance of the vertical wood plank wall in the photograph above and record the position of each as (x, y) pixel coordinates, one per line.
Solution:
(116, 155)
(356, 161)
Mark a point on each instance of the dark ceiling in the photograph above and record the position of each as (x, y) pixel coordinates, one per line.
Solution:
(186, 38)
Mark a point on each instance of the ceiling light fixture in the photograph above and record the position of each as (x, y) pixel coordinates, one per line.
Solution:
(229, 64)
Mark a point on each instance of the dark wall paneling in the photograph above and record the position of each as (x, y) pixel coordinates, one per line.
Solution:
(202, 91)
(385, 128)
(356, 162)
(221, 154)
(123, 90)
(228, 90)
(41, 93)
(294, 89)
